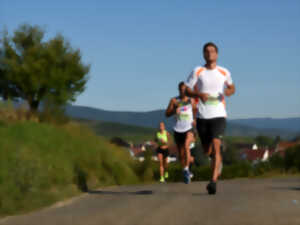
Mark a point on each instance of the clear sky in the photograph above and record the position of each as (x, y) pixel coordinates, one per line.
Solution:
(140, 50)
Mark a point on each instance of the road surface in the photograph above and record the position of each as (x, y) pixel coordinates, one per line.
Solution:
(273, 201)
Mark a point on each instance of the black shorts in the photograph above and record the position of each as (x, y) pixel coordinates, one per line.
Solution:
(164, 152)
(210, 128)
(180, 137)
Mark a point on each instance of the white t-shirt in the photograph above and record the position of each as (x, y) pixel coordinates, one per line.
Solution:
(184, 120)
(213, 83)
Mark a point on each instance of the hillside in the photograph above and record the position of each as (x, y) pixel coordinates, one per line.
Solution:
(127, 132)
(289, 124)
(253, 127)
(143, 119)
(43, 163)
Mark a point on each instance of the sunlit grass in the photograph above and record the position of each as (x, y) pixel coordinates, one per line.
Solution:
(43, 163)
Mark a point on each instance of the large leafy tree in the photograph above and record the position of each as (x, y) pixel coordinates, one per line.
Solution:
(37, 71)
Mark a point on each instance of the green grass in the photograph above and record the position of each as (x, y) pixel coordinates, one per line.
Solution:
(238, 139)
(129, 133)
(43, 163)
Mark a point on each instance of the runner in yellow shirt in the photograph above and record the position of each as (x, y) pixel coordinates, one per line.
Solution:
(162, 139)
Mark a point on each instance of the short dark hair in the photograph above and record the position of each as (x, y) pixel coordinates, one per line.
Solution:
(210, 44)
(181, 84)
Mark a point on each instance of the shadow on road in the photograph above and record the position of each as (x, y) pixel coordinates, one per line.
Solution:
(286, 188)
(200, 194)
(144, 192)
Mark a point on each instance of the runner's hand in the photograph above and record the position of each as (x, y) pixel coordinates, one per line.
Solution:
(174, 102)
(227, 91)
(194, 123)
(203, 96)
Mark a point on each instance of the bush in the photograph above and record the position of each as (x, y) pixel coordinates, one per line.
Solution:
(292, 158)
(277, 162)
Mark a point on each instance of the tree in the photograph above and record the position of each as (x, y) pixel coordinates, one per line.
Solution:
(264, 141)
(35, 70)
(6, 87)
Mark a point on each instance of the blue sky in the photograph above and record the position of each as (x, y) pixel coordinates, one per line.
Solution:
(140, 50)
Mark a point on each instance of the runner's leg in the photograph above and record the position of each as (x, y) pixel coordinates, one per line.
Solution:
(181, 155)
(166, 174)
(216, 162)
(188, 140)
(161, 164)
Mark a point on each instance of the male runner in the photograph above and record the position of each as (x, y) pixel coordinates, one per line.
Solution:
(210, 83)
(183, 107)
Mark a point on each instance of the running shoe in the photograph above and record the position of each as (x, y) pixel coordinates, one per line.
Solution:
(211, 188)
(166, 175)
(186, 177)
(162, 179)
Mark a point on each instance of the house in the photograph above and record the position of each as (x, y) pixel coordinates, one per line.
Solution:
(255, 154)
(283, 145)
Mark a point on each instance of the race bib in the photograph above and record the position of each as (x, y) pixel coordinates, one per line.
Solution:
(213, 100)
(184, 113)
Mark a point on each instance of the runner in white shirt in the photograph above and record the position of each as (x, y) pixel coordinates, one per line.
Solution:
(183, 108)
(209, 84)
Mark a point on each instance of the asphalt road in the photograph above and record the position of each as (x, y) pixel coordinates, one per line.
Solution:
(242, 201)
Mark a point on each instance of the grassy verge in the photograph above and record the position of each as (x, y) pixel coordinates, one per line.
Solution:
(43, 163)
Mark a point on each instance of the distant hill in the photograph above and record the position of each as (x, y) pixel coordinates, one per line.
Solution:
(143, 119)
(291, 124)
(286, 128)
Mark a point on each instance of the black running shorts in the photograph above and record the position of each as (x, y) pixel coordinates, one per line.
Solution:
(164, 152)
(180, 137)
(210, 128)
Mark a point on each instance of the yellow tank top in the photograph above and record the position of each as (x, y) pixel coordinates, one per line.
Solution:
(162, 137)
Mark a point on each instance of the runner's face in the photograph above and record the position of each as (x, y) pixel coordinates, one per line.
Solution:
(162, 126)
(210, 54)
(182, 90)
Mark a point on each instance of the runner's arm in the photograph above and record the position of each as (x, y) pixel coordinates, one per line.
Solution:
(190, 83)
(195, 110)
(169, 138)
(196, 94)
(155, 139)
(171, 110)
(229, 90)
(229, 86)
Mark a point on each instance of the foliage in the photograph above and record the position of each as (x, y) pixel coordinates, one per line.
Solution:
(231, 155)
(264, 141)
(292, 158)
(35, 70)
(43, 163)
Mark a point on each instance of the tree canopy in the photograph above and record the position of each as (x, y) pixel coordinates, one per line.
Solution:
(36, 70)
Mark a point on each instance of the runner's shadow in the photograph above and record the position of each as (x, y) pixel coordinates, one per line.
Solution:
(144, 192)
(199, 194)
(286, 188)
